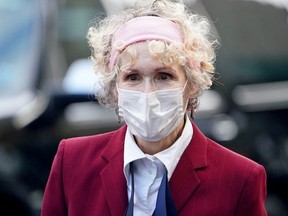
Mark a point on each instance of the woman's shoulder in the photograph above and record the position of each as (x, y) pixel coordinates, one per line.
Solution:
(223, 156)
(92, 143)
(89, 139)
(218, 154)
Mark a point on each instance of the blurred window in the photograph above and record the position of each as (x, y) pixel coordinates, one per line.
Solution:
(19, 45)
(75, 18)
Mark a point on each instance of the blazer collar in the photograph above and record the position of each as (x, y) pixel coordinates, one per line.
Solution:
(196, 150)
(184, 180)
(113, 180)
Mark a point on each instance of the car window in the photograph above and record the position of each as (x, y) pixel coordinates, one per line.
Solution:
(19, 45)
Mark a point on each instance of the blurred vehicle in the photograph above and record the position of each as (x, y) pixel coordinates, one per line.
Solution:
(30, 65)
(43, 101)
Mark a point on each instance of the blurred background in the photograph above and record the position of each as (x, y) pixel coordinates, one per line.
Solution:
(47, 83)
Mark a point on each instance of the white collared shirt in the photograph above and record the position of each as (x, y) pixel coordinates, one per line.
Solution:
(149, 169)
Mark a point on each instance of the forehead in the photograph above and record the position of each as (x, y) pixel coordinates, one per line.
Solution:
(136, 50)
(138, 56)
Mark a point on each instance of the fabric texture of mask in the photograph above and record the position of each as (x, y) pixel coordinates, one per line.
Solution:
(151, 116)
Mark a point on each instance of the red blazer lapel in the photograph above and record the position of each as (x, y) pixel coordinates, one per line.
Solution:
(184, 180)
(112, 176)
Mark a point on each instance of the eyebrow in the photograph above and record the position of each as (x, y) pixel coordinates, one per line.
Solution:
(165, 68)
(157, 69)
(168, 69)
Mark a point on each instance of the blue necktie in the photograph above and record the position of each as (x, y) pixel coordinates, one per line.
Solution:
(164, 204)
(129, 211)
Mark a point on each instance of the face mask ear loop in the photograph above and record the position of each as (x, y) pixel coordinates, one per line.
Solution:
(117, 88)
(184, 87)
(117, 108)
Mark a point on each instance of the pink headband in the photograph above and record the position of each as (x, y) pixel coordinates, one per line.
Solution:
(142, 29)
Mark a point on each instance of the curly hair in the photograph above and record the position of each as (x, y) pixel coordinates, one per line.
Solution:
(198, 47)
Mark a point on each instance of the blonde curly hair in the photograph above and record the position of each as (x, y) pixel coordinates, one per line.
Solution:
(198, 47)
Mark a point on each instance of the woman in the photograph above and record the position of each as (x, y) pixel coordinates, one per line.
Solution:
(154, 62)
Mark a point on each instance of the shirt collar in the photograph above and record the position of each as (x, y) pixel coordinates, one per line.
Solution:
(132, 152)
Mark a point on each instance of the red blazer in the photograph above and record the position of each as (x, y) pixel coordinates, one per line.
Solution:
(87, 178)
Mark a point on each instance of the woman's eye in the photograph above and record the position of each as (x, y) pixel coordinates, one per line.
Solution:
(132, 77)
(165, 76)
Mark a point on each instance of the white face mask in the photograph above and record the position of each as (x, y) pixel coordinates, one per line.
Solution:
(151, 116)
